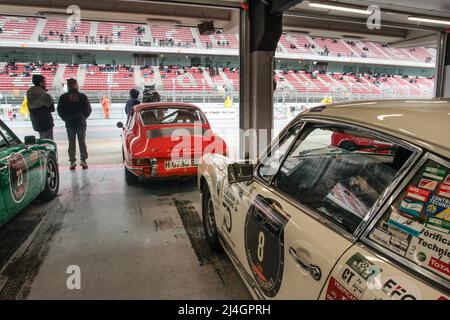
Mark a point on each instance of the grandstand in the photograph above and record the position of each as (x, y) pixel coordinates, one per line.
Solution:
(190, 82)
(17, 28)
(17, 77)
(121, 33)
(186, 80)
(60, 30)
(125, 34)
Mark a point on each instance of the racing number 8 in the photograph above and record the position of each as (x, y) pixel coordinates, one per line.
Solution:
(261, 240)
(264, 236)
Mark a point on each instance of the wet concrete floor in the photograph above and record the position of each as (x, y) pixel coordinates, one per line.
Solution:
(127, 242)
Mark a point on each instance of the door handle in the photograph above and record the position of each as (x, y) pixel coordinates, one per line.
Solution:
(312, 269)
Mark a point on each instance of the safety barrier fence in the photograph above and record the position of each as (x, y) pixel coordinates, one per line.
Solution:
(8, 98)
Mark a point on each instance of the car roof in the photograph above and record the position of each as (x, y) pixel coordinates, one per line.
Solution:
(155, 105)
(425, 123)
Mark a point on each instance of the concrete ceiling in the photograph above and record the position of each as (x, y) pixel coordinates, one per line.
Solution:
(181, 12)
(437, 8)
(396, 28)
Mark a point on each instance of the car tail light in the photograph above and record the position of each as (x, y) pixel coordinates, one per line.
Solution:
(140, 161)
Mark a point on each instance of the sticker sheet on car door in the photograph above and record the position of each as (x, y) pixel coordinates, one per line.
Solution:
(264, 244)
(417, 225)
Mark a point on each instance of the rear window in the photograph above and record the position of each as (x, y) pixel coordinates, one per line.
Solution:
(417, 224)
(171, 116)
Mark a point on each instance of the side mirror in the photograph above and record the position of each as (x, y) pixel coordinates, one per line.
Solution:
(240, 172)
(29, 140)
(119, 124)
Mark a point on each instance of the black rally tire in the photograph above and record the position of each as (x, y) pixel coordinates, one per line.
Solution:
(51, 180)
(130, 178)
(209, 222)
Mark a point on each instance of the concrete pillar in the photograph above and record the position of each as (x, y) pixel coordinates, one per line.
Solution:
(259, 35)
(261, 99)
(442, 78)
(244, 82)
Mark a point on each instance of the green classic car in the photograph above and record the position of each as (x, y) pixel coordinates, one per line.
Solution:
(28, 170)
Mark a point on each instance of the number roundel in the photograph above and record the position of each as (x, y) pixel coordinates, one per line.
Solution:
(18, 177)
(264, 245)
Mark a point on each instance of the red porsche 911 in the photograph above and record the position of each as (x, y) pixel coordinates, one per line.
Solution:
(166, 140)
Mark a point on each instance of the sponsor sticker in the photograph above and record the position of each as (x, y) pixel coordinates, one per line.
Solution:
(438, 224)
(430, 250)
(353, 282)
(361, 265)
(400, 288)
(396, 232)
(438, 207)
(447, 179)
(439, 266)
(384, 238)
(434, 173)
(337, 291)
(405, 224)
(18, 177)
(411, 207)
(381, 236)
(427, 184)
(399, 243)
(444, 190)
(418, 194)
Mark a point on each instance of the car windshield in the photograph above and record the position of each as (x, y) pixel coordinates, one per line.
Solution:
(171, 115)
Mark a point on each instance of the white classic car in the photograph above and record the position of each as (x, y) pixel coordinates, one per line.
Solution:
(352, 202)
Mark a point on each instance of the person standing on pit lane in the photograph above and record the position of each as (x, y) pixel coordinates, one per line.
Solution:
(74, 108)
(133, 101)
(105, 105)
(41, 106)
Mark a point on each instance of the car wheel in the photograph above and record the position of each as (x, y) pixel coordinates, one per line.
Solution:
(51, 180)
(209, 221)
(130, 178)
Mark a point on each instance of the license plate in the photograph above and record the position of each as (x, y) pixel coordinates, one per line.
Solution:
(179, 164)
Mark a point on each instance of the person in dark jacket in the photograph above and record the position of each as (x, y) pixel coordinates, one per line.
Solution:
(41, 106)
(133, 101)
(74, 108)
